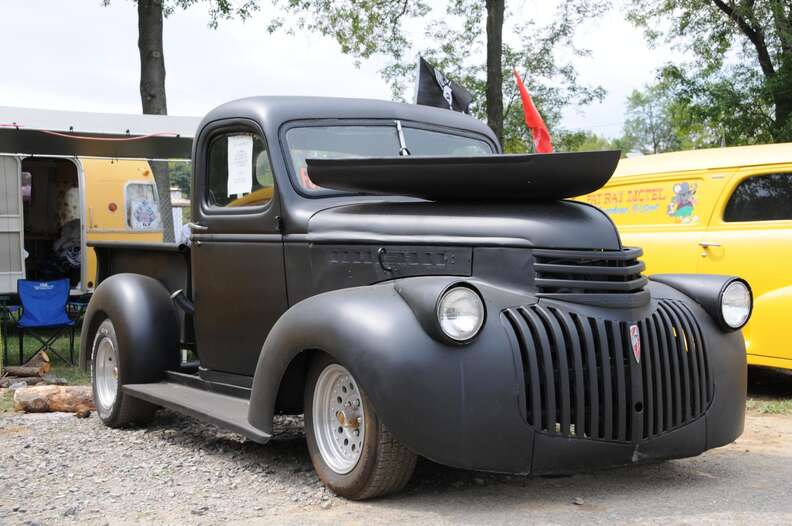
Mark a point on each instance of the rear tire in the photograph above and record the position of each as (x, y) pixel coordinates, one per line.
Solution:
(352, 451)
(114, 407)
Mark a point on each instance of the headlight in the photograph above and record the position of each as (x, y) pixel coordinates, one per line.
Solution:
(736, 304)
(460, 313)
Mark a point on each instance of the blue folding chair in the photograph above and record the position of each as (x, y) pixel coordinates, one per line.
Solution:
(44, 307)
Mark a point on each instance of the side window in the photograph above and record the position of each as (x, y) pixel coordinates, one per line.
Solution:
(761, 198)
(238, 171)
(142, 207)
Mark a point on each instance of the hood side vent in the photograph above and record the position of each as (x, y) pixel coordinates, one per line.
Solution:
(609, 278)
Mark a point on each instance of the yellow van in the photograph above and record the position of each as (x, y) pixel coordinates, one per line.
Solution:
(716, 211)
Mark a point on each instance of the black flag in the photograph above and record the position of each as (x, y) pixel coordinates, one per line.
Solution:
(435, 89)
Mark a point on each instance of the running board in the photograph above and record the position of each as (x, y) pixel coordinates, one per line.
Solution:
(224, 411)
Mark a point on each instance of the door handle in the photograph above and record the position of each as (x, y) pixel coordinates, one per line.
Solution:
(708, 244)
(196, 227)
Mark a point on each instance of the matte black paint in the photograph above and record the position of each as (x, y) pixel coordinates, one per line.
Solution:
(524, 177)
(146, 325)
(315, 269)
(563, 224)
(468, 398)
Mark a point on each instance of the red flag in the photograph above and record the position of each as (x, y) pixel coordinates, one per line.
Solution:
(541, 137)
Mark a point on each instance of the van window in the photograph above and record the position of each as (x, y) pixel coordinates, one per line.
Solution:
(142, 207)
(238, 171)
(761, 198)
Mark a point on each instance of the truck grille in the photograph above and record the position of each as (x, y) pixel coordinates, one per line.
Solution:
(591, 276)
(582, 379)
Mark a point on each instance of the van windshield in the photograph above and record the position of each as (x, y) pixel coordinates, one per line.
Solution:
(356, 141)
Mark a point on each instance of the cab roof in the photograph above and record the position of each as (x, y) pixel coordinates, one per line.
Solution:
(274, 111)
(706, 159)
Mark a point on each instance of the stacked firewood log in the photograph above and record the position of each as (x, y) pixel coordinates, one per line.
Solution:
(36, 390)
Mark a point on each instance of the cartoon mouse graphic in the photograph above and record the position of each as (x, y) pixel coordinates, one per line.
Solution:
(683, 203)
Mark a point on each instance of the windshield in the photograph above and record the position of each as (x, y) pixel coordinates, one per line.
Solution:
(345, 142)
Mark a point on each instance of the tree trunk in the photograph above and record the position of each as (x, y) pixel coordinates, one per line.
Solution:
(152, 58)
(152, 95)
(495, 10)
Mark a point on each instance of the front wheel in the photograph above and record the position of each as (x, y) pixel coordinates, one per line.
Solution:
(114, 407)
(352, 452)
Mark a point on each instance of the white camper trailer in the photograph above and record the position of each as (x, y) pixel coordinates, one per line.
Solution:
(70, 177)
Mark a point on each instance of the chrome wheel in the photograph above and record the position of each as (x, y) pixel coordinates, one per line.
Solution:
(338, 419)
(105, 369)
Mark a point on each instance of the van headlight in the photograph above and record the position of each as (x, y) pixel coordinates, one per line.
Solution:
(460, 313)
(736, 304)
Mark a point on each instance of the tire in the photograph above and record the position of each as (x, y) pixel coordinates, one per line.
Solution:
(373, 463)
(114, 407)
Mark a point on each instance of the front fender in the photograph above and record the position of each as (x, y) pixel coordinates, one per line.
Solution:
(457, 405)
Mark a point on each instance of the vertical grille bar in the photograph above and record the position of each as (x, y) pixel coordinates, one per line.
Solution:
(591, 363)
(681, 349)
(582, 381)
(657, 367)
(546, 365)
(665, 364)
(558, 349)
(692, 358)
(606, 393)
(622, 376)
(676, 368)
(576, 359)
(528, 353)
(701, 356)
(704, 362)
(647, 352)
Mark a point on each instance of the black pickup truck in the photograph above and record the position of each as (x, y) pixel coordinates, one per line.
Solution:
(384, 270)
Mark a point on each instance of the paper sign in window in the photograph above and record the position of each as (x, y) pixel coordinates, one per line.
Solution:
(240, 165)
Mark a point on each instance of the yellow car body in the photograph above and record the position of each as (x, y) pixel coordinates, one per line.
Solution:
(716, 211)
(108, 205)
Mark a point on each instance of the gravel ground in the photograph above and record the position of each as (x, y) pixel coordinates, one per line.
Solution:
(58, 469)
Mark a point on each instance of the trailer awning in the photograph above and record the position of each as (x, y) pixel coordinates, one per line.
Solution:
(54, 132)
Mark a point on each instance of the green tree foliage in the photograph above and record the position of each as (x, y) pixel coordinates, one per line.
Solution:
(458, 47)
(585, 141)
(657, 121)
(738, 81)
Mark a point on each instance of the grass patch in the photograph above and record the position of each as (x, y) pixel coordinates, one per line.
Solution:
(770, 407)
(73, 375)
(6, 401)
(31, 345)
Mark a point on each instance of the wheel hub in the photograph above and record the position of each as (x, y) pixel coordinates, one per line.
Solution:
(105, 371)
(338, 418)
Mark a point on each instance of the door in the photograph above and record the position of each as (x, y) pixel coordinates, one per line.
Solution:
(12, 262)
(750, 236)
(239, 283)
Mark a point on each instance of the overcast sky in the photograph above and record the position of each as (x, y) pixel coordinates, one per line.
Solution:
(77, 55)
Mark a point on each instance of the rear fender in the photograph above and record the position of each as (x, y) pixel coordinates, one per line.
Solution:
(145, 322)
(455, 404)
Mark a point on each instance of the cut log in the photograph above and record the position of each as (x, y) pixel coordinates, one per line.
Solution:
(39, 365)
(41, 360)
(14, 370)
(54, 398)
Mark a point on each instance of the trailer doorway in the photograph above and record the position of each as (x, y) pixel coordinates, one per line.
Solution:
(52, 216)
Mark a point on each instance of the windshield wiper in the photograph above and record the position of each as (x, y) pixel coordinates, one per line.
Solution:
(403, 151)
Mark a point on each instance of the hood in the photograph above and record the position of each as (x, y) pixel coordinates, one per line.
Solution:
(559, 224)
